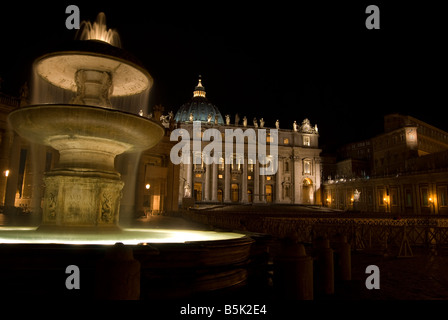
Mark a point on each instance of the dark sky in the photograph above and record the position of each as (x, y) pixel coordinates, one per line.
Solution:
(270, 59)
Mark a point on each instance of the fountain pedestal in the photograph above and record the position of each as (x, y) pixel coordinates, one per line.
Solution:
(81, 201)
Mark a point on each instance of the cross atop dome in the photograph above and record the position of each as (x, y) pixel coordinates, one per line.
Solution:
(199, 90)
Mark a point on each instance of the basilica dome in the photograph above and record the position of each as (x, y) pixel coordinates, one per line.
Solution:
(199, 108)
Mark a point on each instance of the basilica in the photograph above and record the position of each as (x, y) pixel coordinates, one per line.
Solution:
(297, 179)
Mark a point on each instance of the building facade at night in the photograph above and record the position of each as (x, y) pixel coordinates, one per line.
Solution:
(237, 180)
(403, 170)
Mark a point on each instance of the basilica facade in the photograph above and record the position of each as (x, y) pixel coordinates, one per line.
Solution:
(235, 177)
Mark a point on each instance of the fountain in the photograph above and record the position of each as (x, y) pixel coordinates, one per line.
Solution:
(82, 192)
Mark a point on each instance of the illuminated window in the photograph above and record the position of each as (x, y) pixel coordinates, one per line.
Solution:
(198, 175)
(306, 141)
(306, 166)
(250, 165)
(249, 177)
(269, 138)
(268, 178)
(220, 176)
(286, 141)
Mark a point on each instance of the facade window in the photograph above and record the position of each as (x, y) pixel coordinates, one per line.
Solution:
(394, 197)
(286, 141)
(306, 141)
(221, 164)
(306, 166)
(443, 196)
(250, 166)
(286, 166)
(382, 197)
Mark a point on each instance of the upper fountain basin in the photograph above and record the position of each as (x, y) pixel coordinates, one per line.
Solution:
(128, 74)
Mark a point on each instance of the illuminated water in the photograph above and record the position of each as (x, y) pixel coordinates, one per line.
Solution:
(127, 236)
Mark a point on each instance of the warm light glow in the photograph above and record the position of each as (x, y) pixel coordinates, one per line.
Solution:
(98, 31)
(147, 186)
(127, 236)
(6, 173)
(200, 91)
(351, 199)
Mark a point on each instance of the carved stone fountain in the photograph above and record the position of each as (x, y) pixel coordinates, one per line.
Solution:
(83, 190)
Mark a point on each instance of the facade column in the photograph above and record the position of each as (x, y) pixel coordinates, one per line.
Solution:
(13, 178)
(207, 182)
(263, 189)
(215, 182)
(256, 194)
(298, 183)
(227, 181)
(190, 173)
(244, 198)
(278, 181)
(182, 182)
(317, 182)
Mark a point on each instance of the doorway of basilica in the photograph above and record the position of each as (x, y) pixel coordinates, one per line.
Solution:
(307, 191)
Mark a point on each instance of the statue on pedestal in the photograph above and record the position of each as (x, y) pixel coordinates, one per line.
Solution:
(294, 125)
(227, 119)
(261, 123)
(255, 123)
(245, 121)
(277, 124)
(187, 190)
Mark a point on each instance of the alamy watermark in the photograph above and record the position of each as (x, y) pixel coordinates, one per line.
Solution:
(212, 152)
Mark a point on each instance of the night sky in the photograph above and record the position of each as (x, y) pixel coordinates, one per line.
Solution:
(270, 59)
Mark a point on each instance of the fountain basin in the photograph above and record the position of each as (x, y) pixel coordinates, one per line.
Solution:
(84, 189)
(174, 263)
(50, 124)
(59, 67)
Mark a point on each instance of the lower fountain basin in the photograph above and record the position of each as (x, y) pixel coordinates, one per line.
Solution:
(173, 263)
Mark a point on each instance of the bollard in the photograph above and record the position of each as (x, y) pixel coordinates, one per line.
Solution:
(324, 267)
(343, 264)
(293, 273)
(118, 275)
